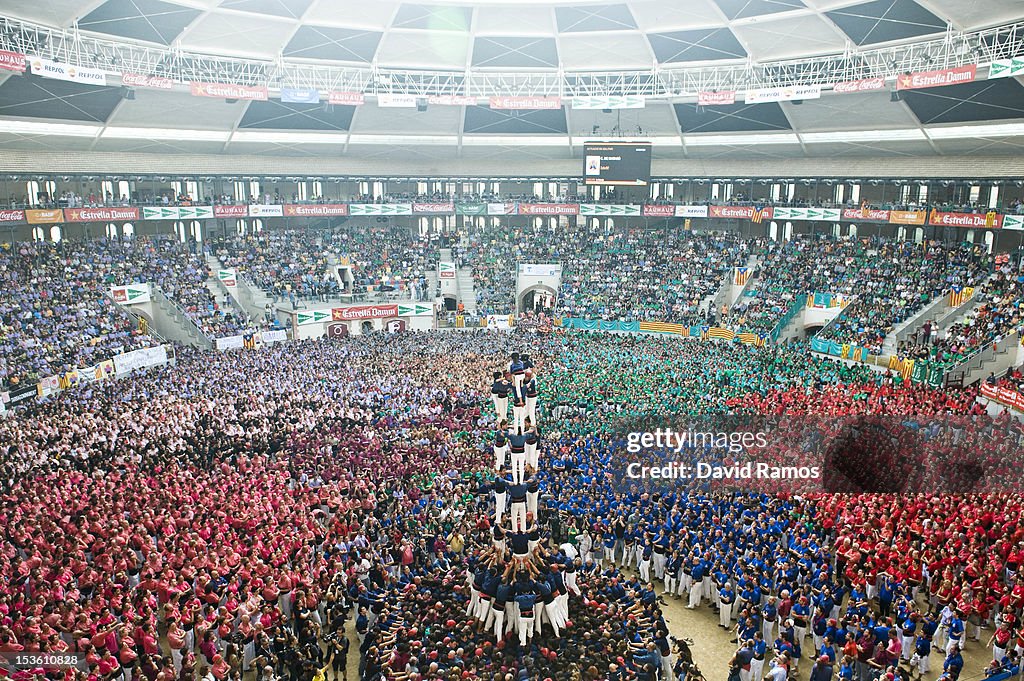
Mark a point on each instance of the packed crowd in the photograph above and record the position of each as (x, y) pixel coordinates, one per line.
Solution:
(890, 281)
(614, 273)
(304, 264)
(997, 314)
(244, 511)
(56, 313)
(898, 281)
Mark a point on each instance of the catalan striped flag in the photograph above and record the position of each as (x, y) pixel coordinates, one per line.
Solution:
(907, 369)
(958, 295)
(748, 338)
(757, 217)
(742, 274)
(662, 327)
(718, 332)
(762, 339)
(846, 351)
(704, 332)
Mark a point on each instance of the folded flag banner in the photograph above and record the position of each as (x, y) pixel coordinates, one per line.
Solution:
(958, 295)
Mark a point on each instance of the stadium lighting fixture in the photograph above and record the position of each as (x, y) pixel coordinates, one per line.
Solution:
(288, 137)
(905, 134)
(403, 139)
(515, 140)
(166, 134)
(59, 129)
(962, 131)
(740, 140)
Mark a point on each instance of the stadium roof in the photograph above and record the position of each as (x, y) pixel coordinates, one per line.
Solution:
(524, 36)
(524, 33)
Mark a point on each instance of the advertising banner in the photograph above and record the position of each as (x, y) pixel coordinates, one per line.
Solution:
(1005, 396)
(337, 330)
(380, 209)
(507, 208)
(1013, 222)
(939, 78)
(443, 208)
(739, 212)
(315, 317)
(344, 314)
(525, 103)
(46, 216)
(783, 213)
(230, 91)
(74, 74)
(990, 220)
(653, 210)
(386, 101)
(539, 270)
(228, 277)
(866, 214)
(782, 94)
(159, 213)
(1000, 68)
(502, 322)
(142, 80)
(116, 214)
(415, 310)
(260, 210)
(195, 212)
(346, 98)
(140, 359)
(864, 85)
(907, 217)
(609, 102)
(451, 100)
(446, 270)
(301, 210)
(691, 211)
(291, 95)
(609, 209)
(471, 209)
(12, 61)
(230, 211)
(12, 216)
(132, 294)
(721, 98)
(178, 212)
(549, 209)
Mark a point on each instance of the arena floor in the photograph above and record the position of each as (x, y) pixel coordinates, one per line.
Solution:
(712, 647)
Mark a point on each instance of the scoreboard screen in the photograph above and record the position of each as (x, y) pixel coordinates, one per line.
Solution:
(623, 164)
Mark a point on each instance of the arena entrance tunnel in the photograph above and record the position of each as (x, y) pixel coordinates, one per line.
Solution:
(536, 297)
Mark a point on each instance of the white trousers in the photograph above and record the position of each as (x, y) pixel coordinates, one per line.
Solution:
(525, 627)
(518, 412)
(531, 502)
(518, 514)
(518, 467)
(499, 506)
(500, 406)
